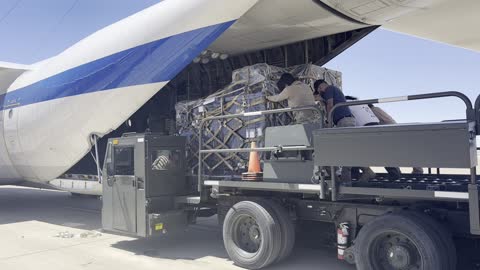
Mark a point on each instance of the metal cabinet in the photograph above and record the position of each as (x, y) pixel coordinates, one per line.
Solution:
(142, 175)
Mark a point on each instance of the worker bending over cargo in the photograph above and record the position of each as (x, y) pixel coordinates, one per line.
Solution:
(342, 116)
(385, 119)
(297, 94)
(365, 116)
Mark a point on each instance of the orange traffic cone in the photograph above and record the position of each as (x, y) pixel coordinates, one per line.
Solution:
(254, 171)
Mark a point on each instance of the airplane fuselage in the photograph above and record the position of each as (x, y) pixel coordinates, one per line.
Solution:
(49, 112)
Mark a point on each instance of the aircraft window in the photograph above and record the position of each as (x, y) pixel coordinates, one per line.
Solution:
(164, 160)
(124, 161)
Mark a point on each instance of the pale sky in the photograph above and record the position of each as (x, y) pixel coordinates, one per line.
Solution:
(386, 64)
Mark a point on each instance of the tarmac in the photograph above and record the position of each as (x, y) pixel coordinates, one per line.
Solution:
(50, 230)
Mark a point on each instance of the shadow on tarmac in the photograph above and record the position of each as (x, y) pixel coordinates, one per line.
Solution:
(201, 240)
(205, 240)
(19, 204)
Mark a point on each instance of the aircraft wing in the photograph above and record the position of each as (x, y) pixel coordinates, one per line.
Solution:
(454, 22)
(276, 22)
(272, 23)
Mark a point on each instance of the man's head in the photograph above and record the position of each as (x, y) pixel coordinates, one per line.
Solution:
(286, 79)
(320, 86)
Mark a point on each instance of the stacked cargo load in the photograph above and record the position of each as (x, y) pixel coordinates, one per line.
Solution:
(250, 85)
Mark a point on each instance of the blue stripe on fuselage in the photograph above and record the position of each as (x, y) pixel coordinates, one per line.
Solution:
(153, 62)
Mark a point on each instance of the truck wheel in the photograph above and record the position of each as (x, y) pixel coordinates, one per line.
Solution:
(251, 235)
(287, 228)
(398, 242)
(443, 235)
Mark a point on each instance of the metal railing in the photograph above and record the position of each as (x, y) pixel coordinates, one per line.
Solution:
(471, 115)
(470, 112)
(246, 150)
(477, 113)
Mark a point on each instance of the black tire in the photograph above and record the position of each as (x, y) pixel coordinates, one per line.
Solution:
(222, 209)
(261, 246)
(398, 241)
(287, 228)
(443, 235)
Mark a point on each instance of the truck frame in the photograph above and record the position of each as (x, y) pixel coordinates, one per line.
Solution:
(406, 223)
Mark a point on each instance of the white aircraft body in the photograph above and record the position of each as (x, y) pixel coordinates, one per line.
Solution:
(49, 110)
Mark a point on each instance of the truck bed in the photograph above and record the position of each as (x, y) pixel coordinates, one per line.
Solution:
(436, 182)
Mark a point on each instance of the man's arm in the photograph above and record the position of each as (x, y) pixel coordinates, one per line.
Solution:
(328, 96)
(280, 97)
(329, 105)
(383, 116)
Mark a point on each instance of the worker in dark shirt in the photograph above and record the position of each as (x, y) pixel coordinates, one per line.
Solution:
(332, 95)
(342, 116)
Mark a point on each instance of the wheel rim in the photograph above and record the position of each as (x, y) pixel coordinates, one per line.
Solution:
(247, 234)
(395, 251)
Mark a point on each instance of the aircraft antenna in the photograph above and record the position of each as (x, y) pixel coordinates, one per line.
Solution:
(54, 27)
(65, 14)
(10, 10)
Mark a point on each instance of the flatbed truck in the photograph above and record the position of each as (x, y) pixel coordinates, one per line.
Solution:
(392, 224)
